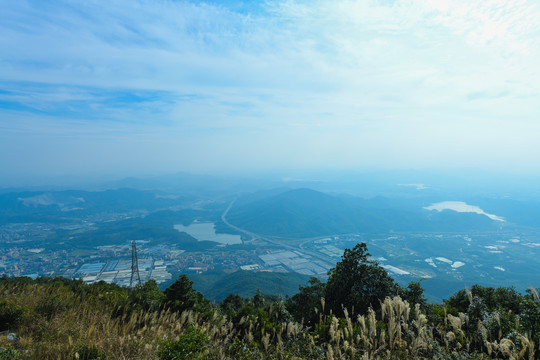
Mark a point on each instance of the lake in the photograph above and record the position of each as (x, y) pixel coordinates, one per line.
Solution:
(206, 231)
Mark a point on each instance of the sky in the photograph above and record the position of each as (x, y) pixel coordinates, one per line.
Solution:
(128, 87)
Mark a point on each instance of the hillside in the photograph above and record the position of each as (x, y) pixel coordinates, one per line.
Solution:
(56, 318)
(217, 286)
(60, 206)
(306, 213)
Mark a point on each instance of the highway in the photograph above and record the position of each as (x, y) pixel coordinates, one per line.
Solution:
(313, 254)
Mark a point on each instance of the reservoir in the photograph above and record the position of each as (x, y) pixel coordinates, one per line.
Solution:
(205, 231)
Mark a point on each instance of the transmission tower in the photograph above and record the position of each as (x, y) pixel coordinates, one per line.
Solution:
(134, 265)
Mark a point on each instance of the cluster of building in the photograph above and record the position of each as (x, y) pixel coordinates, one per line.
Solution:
(294, 261)
(331, 250)
(119, 271)
(160, 262)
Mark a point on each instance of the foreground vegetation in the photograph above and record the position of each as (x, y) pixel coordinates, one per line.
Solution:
(360, 313)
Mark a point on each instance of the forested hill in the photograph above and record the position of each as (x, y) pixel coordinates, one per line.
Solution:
(56, 206)
(305, 213)
(359, 313)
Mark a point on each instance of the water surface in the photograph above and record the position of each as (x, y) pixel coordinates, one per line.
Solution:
(206, 231)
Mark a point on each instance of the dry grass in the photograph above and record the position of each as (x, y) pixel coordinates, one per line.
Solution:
(394, 334)
(534, 292)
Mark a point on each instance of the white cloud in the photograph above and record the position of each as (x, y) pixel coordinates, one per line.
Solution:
(337, 83)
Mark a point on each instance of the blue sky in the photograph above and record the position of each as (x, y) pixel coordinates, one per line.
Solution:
(131, 87)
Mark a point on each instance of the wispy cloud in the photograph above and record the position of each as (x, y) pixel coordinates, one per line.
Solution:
(301, 83)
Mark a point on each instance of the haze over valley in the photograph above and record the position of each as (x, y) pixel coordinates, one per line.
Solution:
(216, 227)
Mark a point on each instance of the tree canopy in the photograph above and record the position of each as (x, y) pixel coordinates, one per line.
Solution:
(358, 283)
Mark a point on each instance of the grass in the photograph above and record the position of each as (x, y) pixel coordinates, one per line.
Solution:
(55, 321)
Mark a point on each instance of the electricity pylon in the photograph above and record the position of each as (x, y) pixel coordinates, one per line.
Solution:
(134, 265)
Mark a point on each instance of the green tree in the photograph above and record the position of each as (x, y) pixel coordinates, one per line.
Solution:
(181, 296)
(358, 283)
(232, 303)
(147, 296)
(530, 316)
(414, 294)
(258, 299)
(306, 304)
(232, 307)
(502, 298)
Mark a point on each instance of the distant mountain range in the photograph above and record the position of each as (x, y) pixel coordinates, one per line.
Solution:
(306, 213)
(54, 206)
(300, 212)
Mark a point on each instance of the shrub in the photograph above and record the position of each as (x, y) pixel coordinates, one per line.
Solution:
(190, 346)
(11, 315)
(10, 354)
(88, 352)
(54, 304)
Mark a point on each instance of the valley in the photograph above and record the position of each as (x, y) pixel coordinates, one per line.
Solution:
(276, 233)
